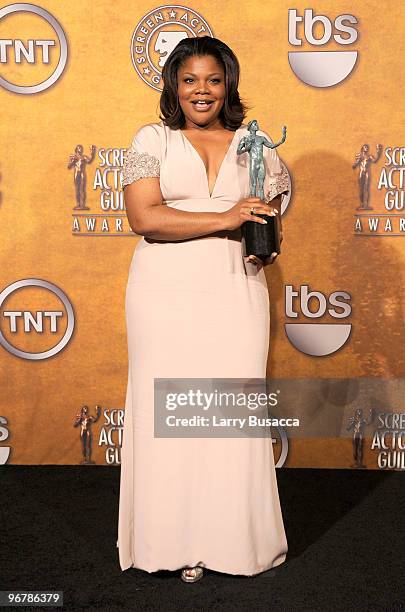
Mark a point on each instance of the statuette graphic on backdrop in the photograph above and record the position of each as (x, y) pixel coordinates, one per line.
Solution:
(363, 161)
(86, 420)
(79, 161)
(358, 423)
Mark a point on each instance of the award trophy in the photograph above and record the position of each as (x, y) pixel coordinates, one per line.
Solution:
(260, 239)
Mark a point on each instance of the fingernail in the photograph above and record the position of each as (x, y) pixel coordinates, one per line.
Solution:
(264, 221)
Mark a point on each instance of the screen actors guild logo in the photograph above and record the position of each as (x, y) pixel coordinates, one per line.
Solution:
(363, 160)
(156, 35)
(85, 420)
(105, 185)
(389, 220)
(358, 424)
(79, 161)
(111, 434)
(389, 440)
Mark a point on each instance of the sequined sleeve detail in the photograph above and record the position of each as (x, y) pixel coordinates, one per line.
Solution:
(278, 184)
(139, 165)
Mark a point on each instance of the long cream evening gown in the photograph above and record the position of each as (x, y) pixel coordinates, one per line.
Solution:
(196, 309)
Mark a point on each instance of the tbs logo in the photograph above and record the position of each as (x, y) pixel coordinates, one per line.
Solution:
(321, 68)
(317, 339)
(4, 435)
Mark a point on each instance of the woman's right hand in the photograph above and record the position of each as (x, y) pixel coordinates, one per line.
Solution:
(238, 214)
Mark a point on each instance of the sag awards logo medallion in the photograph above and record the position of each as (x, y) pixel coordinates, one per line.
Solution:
(157, 34)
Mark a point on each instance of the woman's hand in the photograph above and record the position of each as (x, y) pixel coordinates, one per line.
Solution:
(259, 262)
(238, 214)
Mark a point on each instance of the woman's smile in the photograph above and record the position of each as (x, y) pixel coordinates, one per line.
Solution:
(202, 105)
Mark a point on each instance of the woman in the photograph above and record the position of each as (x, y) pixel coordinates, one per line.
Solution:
(195, 308)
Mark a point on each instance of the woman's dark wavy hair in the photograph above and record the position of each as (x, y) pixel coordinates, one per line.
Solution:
(233, 110)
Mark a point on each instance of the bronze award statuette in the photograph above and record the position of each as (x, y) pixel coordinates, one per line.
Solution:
(260, 240)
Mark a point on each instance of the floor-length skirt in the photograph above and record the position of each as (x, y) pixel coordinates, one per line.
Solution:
(195, 310)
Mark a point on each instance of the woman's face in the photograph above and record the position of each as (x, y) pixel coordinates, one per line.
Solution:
(201, 78)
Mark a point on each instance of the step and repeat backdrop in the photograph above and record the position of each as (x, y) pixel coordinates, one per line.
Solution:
(76, 82)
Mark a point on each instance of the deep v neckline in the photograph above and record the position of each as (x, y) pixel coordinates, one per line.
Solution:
(203, 165)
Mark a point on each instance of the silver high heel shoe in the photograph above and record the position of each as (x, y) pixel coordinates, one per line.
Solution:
(192, 574)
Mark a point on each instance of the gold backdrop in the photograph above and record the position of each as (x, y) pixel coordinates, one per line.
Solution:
(100, 99)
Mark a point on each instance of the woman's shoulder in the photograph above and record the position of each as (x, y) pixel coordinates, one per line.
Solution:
(158, 132)
(150, 138)
(151, 129)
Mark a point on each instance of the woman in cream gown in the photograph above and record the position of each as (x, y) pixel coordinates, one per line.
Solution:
(196, 308)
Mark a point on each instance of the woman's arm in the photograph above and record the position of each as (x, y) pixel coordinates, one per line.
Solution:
(150, 217)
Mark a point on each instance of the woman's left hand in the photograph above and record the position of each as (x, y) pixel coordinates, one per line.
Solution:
(259, 263)
(271, 259)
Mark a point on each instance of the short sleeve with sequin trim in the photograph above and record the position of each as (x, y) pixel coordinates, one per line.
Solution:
(142, 159)
(277, 179)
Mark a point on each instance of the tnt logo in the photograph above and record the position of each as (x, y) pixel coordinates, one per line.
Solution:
(33, 48)
(317, 339)
(321, 68)
(36, 319)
